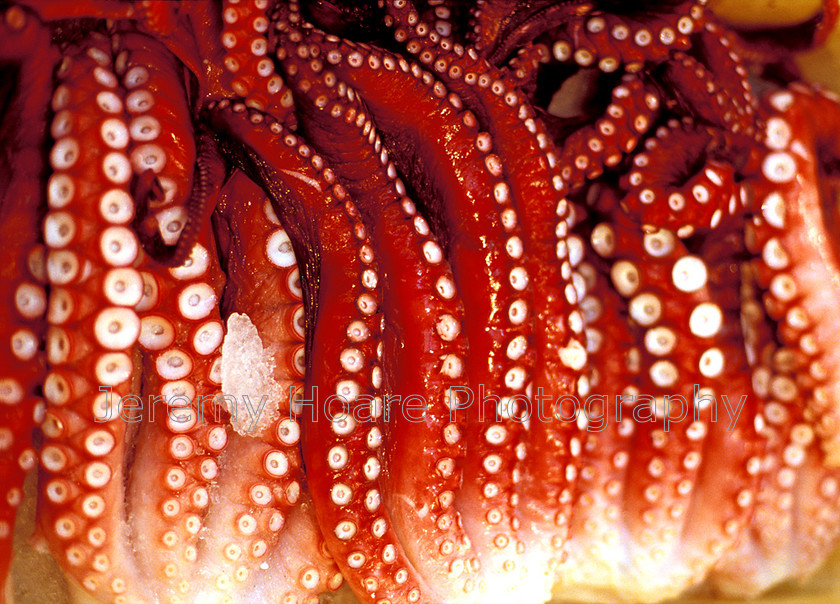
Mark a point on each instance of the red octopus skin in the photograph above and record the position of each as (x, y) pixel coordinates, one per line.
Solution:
(215, 198)
(472, 210)
(23, 273)
(534, 187)
(429, 527)
(794, 268)
(346, 304)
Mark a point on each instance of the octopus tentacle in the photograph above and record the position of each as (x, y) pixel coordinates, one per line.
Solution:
(337, 444)
(712, 98)
(531, 186)
(161, 19)
(793, 185)
(160, 143)
(381, 227)
(181, 332)
(23, 269)
(680, 358)
(732, 447)
(418, 284)
(249, 68)
(258, 489)
(718, 48)
(524, 67)
(474, 212)
(439, 15)
(75, 309)
(596, 523)
(500, 25)
(797, 494)
(495, 261)
(593, 38)
(587, 152)
(93, 327)
(661, 194)
(487, 20)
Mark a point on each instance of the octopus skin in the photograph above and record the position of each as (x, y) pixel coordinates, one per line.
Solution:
(21, 173)
(783, 365)
(425, 508)
(547, 264)
(302, 294)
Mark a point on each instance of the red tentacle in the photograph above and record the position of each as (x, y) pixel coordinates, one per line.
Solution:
(531, 186)
(181, 334)
(587, 152)
(250, 71)
(524, 67)
(93, 327)
(488, 18)
(477, 259)
(254, 535)
(791, 192)
(343, 436)
(23, 267)
(664, 189)
(416, 366)
(611, 41)
(712, 98)
(682, 359)
(160, 143)
(596, 523)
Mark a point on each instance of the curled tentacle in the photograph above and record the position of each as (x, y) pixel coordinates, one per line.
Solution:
(160, 143)
(666, 189)
(592, 38)
(410, 218)
(524, 67)
(587, 152)
(723, 100)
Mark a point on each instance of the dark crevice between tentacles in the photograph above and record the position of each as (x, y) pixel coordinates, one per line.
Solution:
(147, 191)
(527, 21)
(568, 98)
(9, 85)
(419, 185)
(360, 21)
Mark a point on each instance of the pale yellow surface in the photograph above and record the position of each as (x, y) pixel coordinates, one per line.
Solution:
(823, 64)
(765, 13)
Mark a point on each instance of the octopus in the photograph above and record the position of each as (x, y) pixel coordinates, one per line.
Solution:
(445, 302)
